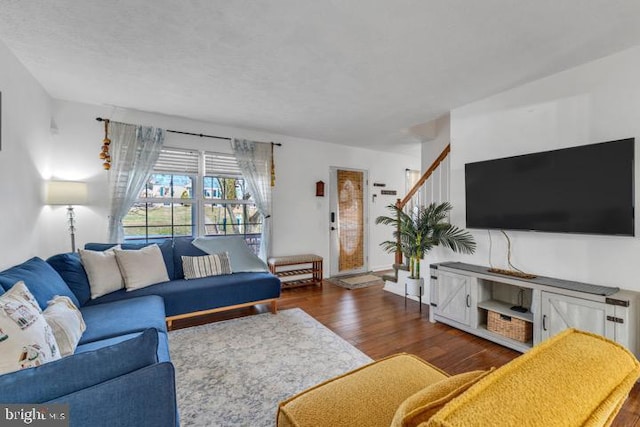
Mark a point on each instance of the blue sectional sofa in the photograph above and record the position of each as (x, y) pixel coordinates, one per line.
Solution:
(182, 298)
(121, 373)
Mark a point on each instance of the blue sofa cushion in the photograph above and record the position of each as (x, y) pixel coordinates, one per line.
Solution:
(182, 247)
(146, 397)
(186, 296)
(98, 246)
(166, 248)
(79, 371)
(123, 317)
(69, 267)
(163, 344)
(41, 279)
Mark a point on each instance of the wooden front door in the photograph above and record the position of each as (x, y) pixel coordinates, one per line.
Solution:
(348, 221)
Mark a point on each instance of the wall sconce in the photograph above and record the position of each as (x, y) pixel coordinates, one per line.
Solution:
(67, 193)
(319, 189)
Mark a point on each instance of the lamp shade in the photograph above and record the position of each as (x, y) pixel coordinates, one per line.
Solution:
(66, 193)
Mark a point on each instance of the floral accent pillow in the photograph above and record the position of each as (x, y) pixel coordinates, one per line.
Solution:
(26, 340)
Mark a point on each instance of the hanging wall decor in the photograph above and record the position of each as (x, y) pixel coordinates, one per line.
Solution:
(106, 142)
(273, 167)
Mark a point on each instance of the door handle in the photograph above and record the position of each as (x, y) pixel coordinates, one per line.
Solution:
(468, 301)
(544, 322)
(333, 217)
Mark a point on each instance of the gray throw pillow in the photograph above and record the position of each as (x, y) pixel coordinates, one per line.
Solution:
(241, 257)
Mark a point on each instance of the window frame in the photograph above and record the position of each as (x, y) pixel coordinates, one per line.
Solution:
(197, 199)
(206, 201)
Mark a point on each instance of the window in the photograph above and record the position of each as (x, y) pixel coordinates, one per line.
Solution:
(192, 194)
(165, 208)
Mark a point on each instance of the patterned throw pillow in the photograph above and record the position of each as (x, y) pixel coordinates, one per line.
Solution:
(66, 322)
(196, 267)
(26, 340)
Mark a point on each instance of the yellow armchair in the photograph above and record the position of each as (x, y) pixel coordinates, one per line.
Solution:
(573, 379)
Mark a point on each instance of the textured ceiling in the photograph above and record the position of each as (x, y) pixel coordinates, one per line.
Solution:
(359, 72)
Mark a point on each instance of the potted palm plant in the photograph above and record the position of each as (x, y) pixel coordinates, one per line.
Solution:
(422, 230)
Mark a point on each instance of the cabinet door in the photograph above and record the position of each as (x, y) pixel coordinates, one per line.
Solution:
(560, 312)
(454, 297)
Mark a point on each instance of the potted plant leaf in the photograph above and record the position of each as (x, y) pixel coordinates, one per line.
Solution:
(420, 231)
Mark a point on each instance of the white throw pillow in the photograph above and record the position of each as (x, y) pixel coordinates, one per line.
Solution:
(142, 267)
(102, 271)
(196, 267)
(66, 322)
(26, 340)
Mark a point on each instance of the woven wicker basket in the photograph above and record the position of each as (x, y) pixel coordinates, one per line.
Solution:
(510, 327)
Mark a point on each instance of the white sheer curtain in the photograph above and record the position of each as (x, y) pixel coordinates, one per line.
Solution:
(134, 152)
(254, 159)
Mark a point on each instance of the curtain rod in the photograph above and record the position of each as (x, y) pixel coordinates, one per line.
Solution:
(201, 135)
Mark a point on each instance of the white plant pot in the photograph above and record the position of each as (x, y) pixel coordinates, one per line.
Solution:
(414, 287)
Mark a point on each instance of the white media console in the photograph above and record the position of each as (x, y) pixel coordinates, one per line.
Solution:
(462, 294)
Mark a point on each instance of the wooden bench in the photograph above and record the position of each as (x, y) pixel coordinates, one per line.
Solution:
(301, 270)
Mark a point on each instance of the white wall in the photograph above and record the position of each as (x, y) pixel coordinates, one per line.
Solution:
(24, 159)
(432, 148)
(301, 220)
(595, 102)
(299, 213)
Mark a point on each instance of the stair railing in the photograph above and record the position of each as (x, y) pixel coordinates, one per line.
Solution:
(401, 203)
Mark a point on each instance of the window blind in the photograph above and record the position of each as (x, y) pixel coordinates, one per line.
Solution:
(220, 164)
(177, 161)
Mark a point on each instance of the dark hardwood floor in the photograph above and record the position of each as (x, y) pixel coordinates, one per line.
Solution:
(377, 323)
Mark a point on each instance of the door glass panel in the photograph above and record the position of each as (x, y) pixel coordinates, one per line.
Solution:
(350, 220)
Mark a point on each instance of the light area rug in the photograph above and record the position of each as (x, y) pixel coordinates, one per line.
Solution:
(234, 373)
(356, 282)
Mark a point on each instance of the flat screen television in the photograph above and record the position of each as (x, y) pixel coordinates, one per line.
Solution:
(587, 189)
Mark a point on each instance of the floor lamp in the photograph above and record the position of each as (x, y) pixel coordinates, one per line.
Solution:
(68, 193)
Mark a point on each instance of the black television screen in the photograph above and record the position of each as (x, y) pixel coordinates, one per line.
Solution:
(586, 189)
